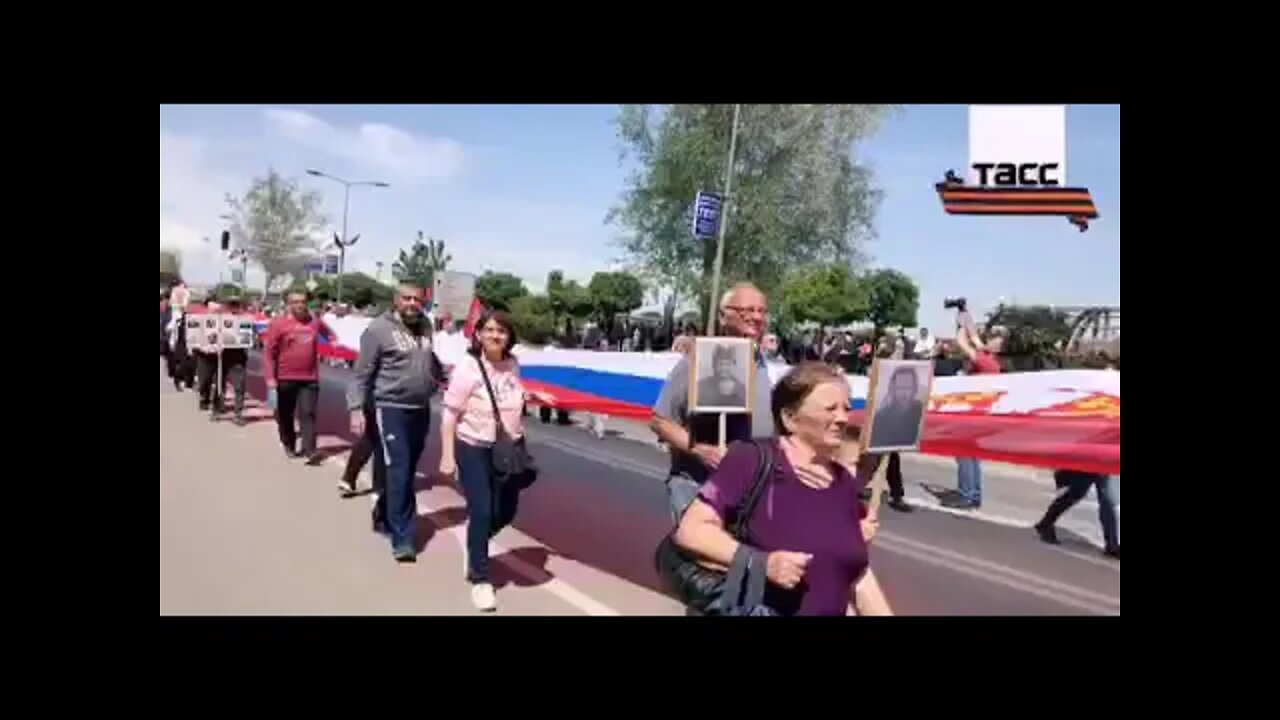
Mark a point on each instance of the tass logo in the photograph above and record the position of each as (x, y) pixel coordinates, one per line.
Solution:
(1017, 166)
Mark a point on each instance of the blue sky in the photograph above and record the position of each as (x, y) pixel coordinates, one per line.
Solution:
(525, 189)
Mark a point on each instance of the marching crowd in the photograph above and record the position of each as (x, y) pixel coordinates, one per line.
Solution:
(779, 509)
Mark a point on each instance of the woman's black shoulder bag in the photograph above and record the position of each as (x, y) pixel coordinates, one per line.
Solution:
(511, 459)
(708, 591)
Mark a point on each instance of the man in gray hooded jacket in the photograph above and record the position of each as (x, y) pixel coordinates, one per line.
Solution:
(397, 372)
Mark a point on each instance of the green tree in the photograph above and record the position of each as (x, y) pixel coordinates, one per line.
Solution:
(170, 267)
(274, 222)
(827, 295)
(358, 289)
(532, 315)
(893, 297)
(569, 300)
(1037, 335)
(230, 290)
(799, 198)
(613, 293)
(425, 258)
(499, 290)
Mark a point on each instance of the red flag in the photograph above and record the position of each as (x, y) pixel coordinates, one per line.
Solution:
(473, 316)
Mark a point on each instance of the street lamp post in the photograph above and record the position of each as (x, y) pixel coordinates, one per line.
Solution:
(714, 302)
(343, 242)
(243, 255)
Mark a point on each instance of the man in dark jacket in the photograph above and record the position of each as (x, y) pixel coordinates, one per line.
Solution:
(397, 373)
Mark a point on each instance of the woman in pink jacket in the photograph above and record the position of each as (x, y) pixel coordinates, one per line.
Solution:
(467, 434)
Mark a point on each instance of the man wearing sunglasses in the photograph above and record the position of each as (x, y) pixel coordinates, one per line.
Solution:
(693, 438)
(396, 373)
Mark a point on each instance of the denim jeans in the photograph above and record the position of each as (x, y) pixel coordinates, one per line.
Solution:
(402, 436)
(681, 491)
(969, 480)
(1075, 486)
(491, 506)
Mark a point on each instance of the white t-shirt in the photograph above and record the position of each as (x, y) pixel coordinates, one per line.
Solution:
(450, 347)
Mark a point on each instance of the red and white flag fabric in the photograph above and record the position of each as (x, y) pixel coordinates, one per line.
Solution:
(473, 317)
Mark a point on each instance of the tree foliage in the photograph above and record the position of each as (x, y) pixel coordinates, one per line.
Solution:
(170, 266)
(226, 290)
(532, 315)
(499, 290)
(358, 289)
(568, 299)
(799, 198)
(1037, 335)
(893, 299)
(613, 293)
(828, 295)
(274, 221)
(425, 258)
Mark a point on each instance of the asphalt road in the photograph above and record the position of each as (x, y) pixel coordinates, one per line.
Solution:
(599, 508)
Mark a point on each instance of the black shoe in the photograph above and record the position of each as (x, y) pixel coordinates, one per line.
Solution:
(346, 489)
(1112, 552)
(292, 454)
(959, 503)
(1047, 533)
(204, 407)
(405, 555)
(901, 505)
(239, 421)
(315, 460)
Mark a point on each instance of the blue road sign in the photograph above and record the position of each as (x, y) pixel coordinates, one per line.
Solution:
(313, 266)
(330, 264)
(706, 215)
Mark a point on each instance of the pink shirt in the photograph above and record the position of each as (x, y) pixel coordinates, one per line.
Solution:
(468, 400)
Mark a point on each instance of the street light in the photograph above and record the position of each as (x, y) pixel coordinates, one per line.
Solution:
(240, 254)
(343, 243)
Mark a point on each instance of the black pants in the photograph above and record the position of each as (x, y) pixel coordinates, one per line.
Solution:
(894, 476)
(300, 397)
(234, 364)
(1076, 486)
(362, 450)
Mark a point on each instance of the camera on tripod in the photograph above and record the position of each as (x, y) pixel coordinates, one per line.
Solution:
(956, 303)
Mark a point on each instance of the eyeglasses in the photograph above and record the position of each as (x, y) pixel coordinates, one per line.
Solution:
(745, 310)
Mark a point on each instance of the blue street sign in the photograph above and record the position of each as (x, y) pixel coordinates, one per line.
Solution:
(706, 215)
(313, 266)
(330, 264)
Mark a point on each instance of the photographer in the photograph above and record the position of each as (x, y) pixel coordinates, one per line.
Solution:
(982, 356)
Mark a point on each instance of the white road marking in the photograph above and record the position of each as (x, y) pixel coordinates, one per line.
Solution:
(999, 574)
(541, 578)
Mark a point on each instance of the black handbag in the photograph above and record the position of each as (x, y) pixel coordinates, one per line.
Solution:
(511, 459)
(712, 592)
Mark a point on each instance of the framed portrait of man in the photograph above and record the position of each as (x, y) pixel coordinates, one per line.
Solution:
(722, 371)
(897, 398)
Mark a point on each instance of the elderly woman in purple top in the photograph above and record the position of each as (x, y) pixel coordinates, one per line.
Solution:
(808, 520)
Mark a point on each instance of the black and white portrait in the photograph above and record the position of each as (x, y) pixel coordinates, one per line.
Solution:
(723, 371)
(898, 396)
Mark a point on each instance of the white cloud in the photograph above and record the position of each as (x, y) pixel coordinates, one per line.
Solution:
(192, 194)
(379, 147)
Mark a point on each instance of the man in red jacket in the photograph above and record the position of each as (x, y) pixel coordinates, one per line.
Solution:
(292, 372)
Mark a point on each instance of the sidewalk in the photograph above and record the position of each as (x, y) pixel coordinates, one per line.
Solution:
(1013, 495)
(243, 530)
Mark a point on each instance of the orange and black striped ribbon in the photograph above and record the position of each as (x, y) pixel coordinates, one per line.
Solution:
(1074, 203)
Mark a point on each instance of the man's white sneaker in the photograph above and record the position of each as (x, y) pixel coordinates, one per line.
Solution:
(483, 598)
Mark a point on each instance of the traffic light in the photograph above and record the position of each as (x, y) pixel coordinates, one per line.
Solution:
(226, 240)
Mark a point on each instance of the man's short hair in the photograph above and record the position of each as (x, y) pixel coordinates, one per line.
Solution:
(734, 290)
(909, 372)
(725, 353)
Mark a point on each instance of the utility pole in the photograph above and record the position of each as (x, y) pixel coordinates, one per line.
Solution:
(714, 301)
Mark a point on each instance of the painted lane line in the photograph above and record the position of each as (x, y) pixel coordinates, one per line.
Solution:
(997, 572)
(929, 559)
(539, 578)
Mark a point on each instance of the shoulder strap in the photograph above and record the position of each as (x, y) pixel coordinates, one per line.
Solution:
(493, 399)
(764, 471)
